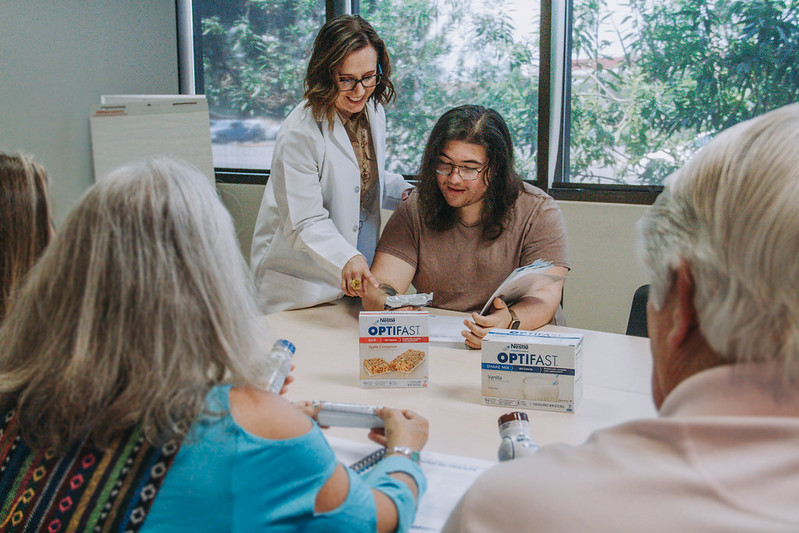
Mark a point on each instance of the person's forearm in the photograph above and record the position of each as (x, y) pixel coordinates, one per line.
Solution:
(375, 299)
(408, 480)
(387, 512)
(396, 489)
(534, 312)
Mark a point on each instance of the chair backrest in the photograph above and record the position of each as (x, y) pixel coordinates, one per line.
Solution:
(636, 324)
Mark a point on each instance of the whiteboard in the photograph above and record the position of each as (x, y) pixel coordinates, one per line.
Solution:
(126, 129)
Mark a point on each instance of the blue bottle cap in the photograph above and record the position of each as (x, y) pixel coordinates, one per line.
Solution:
(287, 344)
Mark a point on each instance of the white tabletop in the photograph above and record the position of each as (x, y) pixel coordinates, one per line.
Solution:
(616, 373)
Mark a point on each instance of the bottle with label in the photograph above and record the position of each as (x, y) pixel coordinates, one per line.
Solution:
(282, 352)
(514, 429)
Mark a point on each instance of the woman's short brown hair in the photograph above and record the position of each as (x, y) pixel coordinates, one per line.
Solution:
(335, 41)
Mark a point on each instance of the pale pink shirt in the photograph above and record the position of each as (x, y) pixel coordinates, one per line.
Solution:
(722, 456)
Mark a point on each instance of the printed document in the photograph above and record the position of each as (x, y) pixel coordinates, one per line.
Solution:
(448, 477)
(521, 282)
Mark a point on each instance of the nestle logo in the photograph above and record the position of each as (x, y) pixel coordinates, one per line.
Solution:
(387, 320)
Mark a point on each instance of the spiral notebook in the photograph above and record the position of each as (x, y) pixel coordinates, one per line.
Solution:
(448, 477)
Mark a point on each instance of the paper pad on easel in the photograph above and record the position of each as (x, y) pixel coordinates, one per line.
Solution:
(127, 128)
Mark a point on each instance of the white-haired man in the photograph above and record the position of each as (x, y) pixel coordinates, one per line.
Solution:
(720, 246)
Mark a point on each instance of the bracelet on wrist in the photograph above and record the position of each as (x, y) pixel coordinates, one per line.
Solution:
(413, 455)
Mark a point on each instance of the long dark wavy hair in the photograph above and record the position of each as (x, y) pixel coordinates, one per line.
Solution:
(485, 127)
(335, 41)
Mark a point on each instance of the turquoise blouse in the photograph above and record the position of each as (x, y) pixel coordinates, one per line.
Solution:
(226, 479)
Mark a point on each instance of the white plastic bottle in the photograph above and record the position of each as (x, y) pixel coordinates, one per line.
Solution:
(514, 428)
(282, 352)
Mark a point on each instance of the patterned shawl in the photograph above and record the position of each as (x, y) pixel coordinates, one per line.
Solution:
(86, 489)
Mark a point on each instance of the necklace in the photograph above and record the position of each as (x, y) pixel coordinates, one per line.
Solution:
(366, 175)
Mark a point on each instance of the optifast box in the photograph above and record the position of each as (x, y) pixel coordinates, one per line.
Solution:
(394, 346)
(532, 369)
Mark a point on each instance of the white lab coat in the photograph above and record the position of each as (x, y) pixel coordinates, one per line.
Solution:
(307, 227)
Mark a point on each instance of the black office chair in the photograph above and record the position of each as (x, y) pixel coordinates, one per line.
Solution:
(636, 324)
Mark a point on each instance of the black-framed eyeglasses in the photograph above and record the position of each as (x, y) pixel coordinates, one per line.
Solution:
(467, 173)
(349, 84)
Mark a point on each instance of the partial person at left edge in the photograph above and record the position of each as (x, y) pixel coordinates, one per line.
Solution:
(319, 220)
(25, 221)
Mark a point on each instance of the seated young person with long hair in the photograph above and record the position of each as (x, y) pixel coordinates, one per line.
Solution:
(25, 226)
(469, 224)
(131, 384)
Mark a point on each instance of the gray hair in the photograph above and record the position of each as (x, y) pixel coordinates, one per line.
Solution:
(732, 215)
(141, 303)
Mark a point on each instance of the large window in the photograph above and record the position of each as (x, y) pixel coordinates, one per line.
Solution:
(629, 89)
(653, 80)
(444, 53)
(451, 52)
(251, 66)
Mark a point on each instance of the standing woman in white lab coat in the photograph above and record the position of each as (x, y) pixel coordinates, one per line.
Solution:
(319, 221)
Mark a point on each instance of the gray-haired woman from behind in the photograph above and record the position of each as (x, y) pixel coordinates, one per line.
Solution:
(130, 384)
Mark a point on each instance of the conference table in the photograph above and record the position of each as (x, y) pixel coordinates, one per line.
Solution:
(616, 382)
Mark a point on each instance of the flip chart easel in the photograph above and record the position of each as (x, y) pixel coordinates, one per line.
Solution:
(125, 129)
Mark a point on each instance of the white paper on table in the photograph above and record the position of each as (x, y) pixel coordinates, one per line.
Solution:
(446, 328)
(522, 281)
(448, 477)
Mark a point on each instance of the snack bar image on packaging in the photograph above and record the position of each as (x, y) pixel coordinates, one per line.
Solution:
(393, 348)
(532, 369)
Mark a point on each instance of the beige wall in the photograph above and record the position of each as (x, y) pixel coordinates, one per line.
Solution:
(58, 57)
(243, 202)
(604, 272)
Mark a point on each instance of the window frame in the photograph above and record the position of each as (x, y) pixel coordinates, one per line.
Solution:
(554, 116)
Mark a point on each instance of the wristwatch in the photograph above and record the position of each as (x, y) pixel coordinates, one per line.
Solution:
(413, 455)
(514, 320)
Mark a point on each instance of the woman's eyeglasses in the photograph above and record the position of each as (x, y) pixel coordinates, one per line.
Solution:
(348, 84)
